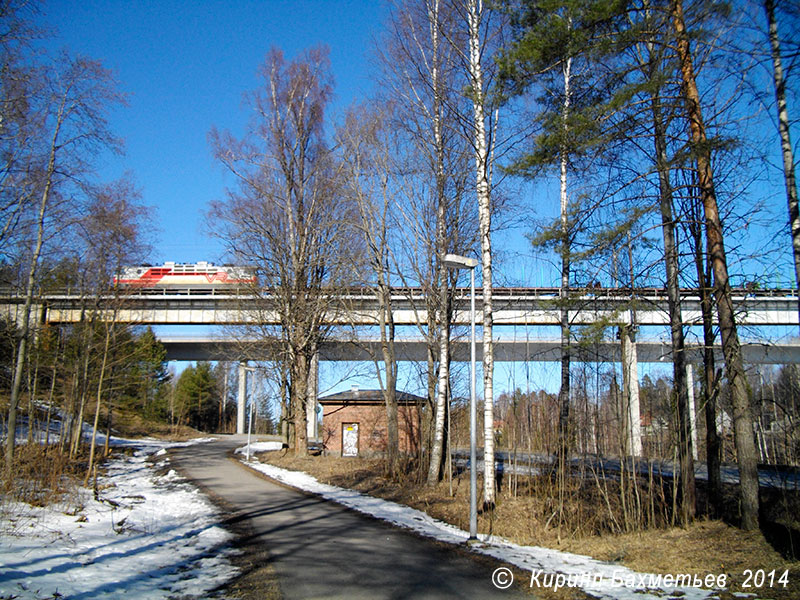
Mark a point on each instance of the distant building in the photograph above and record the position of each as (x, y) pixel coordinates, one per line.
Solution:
(354, 422)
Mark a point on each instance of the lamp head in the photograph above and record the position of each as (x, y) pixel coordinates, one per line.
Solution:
(455, 261)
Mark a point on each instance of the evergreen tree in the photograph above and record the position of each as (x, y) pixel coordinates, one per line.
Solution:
(150, 371)
(555, 42)
(197, 397)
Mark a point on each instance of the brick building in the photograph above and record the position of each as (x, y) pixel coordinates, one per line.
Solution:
(358, 418)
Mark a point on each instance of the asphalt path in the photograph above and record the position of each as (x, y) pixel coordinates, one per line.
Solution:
(319, 549)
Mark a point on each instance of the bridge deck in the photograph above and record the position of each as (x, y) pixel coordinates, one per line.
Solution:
(512, 306)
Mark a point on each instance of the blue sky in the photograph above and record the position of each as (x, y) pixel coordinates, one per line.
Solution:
(185, 66)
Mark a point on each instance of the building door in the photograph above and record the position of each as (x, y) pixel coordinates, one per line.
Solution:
(349, 439)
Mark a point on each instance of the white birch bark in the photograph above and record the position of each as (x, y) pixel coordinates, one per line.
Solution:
(563, 395)
(483, 188)
(786, 140)
(437, 448)
(99, 397)
(692, 409)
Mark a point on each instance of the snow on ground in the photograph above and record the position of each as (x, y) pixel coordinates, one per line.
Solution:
(148, 537)
(547, 567)
(260, 447)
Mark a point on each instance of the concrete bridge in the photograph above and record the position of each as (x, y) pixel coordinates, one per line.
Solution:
(195, 348)
(653, 351)
(359, 307)
(511, 306)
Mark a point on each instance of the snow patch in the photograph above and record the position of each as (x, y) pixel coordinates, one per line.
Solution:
(260, 447)
(146, 537)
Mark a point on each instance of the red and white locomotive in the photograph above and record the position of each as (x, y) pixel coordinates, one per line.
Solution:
(200, 275)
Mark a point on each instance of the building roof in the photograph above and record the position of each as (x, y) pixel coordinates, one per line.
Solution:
(368, 397)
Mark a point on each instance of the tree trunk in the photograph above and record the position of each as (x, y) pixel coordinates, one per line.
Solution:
(390, 388)
(98, 400)
(565, 249)
(51, 396)
(440, 415)
(83, 387)
(743, 422)
(786, 140)
(25, 328)
(710, 379)
(483, 187)
(685, 454)
(300, 367)
(442, 323)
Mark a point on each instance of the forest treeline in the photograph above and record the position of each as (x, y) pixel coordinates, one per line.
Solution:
(526, 421)
(635, 139)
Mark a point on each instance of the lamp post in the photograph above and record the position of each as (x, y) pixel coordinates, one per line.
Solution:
(250, 419)
(454, 261)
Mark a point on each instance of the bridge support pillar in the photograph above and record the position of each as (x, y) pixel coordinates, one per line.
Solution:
(630, 378)
(312, 428)
(692, 413)
(241, 401)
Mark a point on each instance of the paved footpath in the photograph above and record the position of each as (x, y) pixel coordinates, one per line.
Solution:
(319, 549)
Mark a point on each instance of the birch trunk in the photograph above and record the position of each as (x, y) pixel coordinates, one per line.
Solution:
(83, 387)
(437, 452)
(483, 187)
(22, 348)
(786, 139)
(98, 399)
(742, 418)
(442, 323)
(564, 391)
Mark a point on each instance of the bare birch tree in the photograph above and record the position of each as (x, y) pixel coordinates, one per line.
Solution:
(481, 134)
(285, 216)
(420, 74)
(115, 232)
(71, 127)
(366, 144)
(19, 86)
(787, 151)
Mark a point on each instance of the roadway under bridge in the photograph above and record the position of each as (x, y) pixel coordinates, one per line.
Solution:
(244, 350)
(193, 348)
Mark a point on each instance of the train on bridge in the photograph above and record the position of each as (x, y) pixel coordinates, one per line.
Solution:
(200, 276)
(204, 277)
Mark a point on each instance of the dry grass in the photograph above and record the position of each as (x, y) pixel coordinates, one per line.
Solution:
(703, 548)
(43, 475)
(129, 424)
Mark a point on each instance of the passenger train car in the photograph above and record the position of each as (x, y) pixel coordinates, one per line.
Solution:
(200, 275)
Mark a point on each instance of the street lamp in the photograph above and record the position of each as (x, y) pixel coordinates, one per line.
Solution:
(454, 261)
(250, 419)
